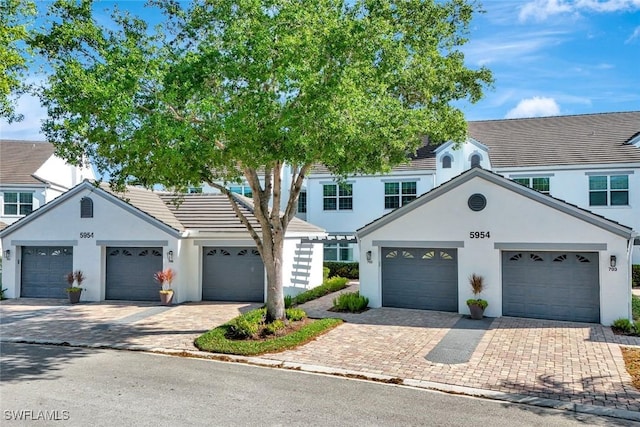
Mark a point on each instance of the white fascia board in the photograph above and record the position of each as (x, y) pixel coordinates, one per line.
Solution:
(557, 168)
(478, 144)
(402, 173)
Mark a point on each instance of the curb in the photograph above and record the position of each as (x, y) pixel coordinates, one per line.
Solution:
(345, 373)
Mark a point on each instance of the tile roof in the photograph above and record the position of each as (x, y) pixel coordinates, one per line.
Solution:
(212, 212)
(3, 225)
(559, 140)
(19, 160)
(545, 141)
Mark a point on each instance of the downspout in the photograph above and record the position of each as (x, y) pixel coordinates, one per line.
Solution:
(629, 273)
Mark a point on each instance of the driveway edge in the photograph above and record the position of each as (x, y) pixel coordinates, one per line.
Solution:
(317, 369)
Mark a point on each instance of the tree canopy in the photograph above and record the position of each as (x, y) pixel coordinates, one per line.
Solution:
(15, 17)
(229, 90)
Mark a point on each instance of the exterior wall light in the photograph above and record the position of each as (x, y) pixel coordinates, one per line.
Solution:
(369, 257)
(170, 256)
(612, 261)
(7, 254)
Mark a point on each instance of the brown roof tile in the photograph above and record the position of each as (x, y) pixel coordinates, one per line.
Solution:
(19, 160)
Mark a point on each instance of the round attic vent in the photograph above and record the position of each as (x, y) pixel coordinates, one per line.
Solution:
(477, 202)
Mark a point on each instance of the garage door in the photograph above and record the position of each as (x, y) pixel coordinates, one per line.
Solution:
(44, 271)
(130, 273)
(551, 285)
(232, 274)
(420, 278)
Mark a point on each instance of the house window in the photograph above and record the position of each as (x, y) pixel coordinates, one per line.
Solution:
(86, 208)
(302, 202)
(244, 190)
(475, 160)
(338, 252)
(194, 190)
(337, 197)
(610, 190)
(538, 184)
(18, 203)
(446, 162)
(398, 194)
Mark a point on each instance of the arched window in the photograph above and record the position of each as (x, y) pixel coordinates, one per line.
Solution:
(475, 161)
(86, 208)
(446, 162)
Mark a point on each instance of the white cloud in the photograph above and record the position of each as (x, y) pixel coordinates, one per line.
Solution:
(534, 107)
(539, 10)
(29, 128)
(633, 36)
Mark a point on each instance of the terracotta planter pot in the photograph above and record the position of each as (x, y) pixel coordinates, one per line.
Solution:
(477, 312)
(74, 296)
(166, 298)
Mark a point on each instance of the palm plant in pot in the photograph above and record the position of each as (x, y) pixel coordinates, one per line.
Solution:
(74, 290)
(476, 305)
(165, 278)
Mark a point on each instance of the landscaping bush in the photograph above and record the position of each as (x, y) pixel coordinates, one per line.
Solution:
(635, 275)
(622, 325)
(288, 301)
(350, 301)
(246, 325)
(273, 327)
(330, 285)
(325, 273)
(635, 307)
(350, 270)
(295, 314)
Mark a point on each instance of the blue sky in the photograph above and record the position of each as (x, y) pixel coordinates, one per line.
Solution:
(549, 57)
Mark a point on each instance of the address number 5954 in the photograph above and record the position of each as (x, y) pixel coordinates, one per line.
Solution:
(479, 234)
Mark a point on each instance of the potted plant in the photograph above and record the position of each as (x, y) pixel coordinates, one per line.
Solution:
(165, 278)
(75, 279)
(476, 305)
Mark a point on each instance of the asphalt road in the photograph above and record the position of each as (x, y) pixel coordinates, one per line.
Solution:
(49, 385)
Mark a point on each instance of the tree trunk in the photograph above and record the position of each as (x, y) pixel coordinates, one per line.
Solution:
(275, 287)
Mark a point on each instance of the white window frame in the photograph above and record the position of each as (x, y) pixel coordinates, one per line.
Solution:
(337, 197)
(18, 203)
(400, 196)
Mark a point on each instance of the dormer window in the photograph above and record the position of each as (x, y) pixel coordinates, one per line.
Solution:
(475, 161)
(86, 208)
(446, 162)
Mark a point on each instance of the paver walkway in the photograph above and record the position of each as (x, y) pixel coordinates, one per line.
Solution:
(571, 362)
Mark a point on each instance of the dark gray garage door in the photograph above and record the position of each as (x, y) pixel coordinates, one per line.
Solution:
(420, 278)
(232, 274)
(44, 271)
(551, 285)
(130, 273)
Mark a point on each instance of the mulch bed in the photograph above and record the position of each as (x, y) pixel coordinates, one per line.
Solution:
(632, 362)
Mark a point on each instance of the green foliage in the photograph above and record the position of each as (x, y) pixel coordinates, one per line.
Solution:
(2, 291)
(622, 325)
(288, 301)
(273, 327)
(350, 301)
(635, 275)
(16, 17)
(477, 301)
(216, 340)
(295, 314)
(325, 273)
(246, 325)
(635, 307)
(350, 270)
(330, 285)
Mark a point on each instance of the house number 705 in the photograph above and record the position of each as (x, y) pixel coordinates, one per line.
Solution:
(479, 235)
(86, 235)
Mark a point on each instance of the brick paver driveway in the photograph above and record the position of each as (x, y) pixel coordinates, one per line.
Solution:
(572, 362)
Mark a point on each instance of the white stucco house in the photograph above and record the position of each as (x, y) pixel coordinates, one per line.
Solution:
(119, 240)
(592, 161)
(540, 256)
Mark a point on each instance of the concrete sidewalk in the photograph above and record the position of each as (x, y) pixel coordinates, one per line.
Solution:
(574, 366)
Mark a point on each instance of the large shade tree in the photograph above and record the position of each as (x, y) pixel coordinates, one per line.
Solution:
(233, 90)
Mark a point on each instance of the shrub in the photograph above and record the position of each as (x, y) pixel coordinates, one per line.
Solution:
(635, 275)
(2, 291)
(635, 307)
(329, 285)
(246, 325)
(325, 273)
(349, 270)
(288, 301)
(350, 301)
(623, 325)
(273, 327)
(295, 314)
(636, 327)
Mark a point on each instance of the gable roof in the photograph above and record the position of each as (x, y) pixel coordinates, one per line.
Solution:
(560, 140)
(477, 172)
(202, 212)
(544, 141)
(19, 160)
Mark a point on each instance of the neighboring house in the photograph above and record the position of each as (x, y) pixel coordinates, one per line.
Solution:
(120, 240)
(541, 257)
(32, 175)
(592, 161)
